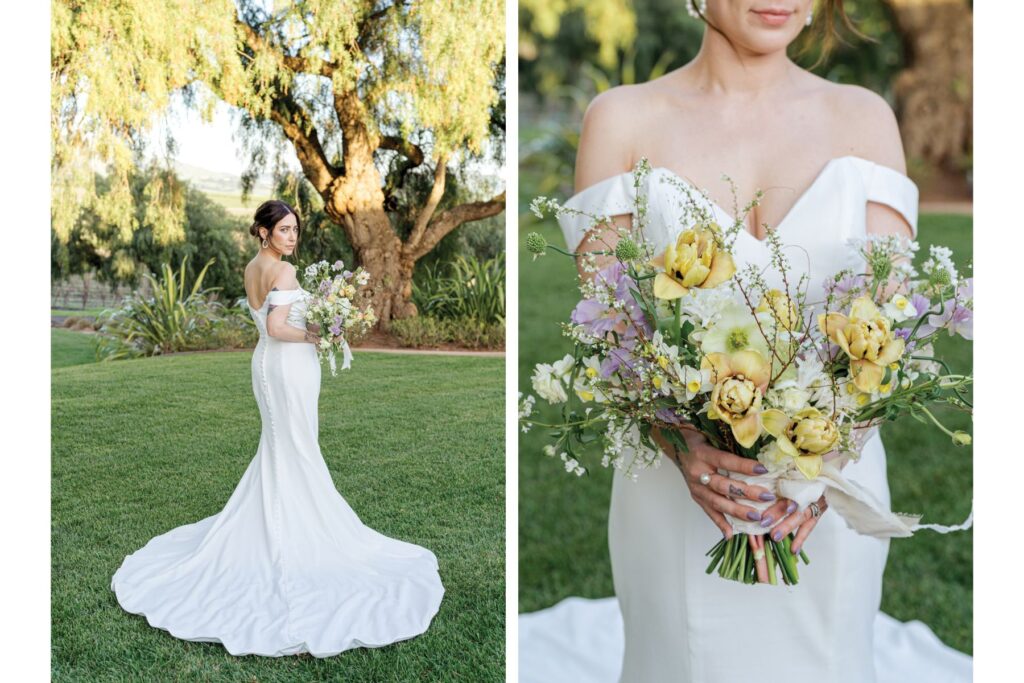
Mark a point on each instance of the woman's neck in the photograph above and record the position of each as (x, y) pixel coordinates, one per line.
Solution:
(270, 254)
(722, 68)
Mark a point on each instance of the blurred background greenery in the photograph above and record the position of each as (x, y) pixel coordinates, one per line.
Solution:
(570, 51)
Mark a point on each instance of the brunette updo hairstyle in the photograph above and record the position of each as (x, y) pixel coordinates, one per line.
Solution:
(267, 216)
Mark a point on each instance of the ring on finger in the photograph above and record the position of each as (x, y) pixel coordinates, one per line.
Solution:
(705, 478)
(815, 510)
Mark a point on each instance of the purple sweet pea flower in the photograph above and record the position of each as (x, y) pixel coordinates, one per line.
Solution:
(617, 360)
(955, 318)
(904, 334)
(595, 317)
(338, 265)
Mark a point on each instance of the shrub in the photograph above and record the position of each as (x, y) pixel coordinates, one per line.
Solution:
(175, 318)
(464, 288)
(471, 333)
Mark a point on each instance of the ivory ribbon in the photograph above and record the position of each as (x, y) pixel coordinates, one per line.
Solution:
(858, 507)
(346, 361)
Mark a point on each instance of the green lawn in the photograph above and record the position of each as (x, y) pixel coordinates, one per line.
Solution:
(68, 347)
(414, 443)
(563, 521)
(90, 312)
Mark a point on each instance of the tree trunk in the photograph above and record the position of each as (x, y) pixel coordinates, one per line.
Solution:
(934, 93)
(356, 203)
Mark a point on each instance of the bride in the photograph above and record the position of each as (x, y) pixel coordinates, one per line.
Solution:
(831, 164)
(286, 567)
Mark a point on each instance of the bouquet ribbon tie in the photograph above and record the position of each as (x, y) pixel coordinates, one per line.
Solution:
(858, 507)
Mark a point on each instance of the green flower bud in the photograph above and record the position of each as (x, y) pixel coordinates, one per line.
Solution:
(536, 244)
(627, 250)
(961, 438)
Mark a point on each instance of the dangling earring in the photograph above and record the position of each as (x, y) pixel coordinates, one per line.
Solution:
(265, 243)
(692, 8)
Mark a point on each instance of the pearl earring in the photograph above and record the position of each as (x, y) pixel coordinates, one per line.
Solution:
(810, 18)
(694, 11)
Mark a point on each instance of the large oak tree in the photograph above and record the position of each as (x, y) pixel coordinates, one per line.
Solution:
(367, 92)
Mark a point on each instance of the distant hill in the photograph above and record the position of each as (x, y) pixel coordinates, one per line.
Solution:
(226, 188)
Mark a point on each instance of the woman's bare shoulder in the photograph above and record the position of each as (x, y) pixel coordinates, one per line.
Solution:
(613, 124)
(866, 124)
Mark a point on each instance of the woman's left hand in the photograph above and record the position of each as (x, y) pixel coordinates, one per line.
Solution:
(803, 522)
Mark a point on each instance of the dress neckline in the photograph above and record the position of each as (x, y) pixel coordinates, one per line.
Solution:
(796, 205)
(267, 298)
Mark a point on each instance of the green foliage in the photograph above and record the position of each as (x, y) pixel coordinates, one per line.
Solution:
(207, 232)
(463, 288)
(564, 44)
(424, 71)
(174, 318)
(427, 331)
(141, 447)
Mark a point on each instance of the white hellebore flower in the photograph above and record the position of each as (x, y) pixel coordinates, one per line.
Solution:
(563, 367)
(547, 385)
(899, 308)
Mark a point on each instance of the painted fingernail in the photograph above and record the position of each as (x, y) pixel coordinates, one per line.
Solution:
(796, 549)
(760, 469)
(767, 521)
(777, 535)
(791, 508)
(767, 496)
(754, 516)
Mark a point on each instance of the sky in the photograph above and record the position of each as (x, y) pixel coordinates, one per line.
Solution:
(209, 145)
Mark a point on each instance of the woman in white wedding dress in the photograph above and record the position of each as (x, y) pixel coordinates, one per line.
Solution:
(286, 567)
(830, 161)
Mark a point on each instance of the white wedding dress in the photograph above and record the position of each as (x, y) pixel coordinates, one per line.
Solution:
(670, 621)
(286, 567)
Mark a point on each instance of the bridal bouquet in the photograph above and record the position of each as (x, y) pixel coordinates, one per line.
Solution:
(334, 308)
(683, 339)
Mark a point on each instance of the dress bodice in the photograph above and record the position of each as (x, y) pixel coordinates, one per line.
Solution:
(815, 232)
(298, 298)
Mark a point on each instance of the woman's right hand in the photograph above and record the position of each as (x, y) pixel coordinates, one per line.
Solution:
(716, 497)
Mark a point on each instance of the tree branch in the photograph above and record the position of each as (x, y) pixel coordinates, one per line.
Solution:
(409, 150)
(433, 199)
(258, 43)
(295, 124)
(446, 221)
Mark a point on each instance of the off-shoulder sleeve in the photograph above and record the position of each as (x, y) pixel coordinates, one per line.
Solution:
(614, 196)
(283, 297)
(890, 187)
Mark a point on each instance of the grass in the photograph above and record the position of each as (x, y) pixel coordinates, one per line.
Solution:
(68, 347)
(563, 521)
(414, 443)
(68, 312)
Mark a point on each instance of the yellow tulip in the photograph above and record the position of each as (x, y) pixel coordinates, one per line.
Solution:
(782, 309)
(693, 260)
(866, 337)
(805, 437)
(740, 381)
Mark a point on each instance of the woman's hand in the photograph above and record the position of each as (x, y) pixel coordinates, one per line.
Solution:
(716, 497)
(313, 327)
(803, 522)
(311, 336)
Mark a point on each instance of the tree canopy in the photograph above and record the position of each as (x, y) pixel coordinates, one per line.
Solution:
(365, 91)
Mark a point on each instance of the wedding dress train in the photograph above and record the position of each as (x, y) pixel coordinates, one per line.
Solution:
(670, 621)
(287, 566)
